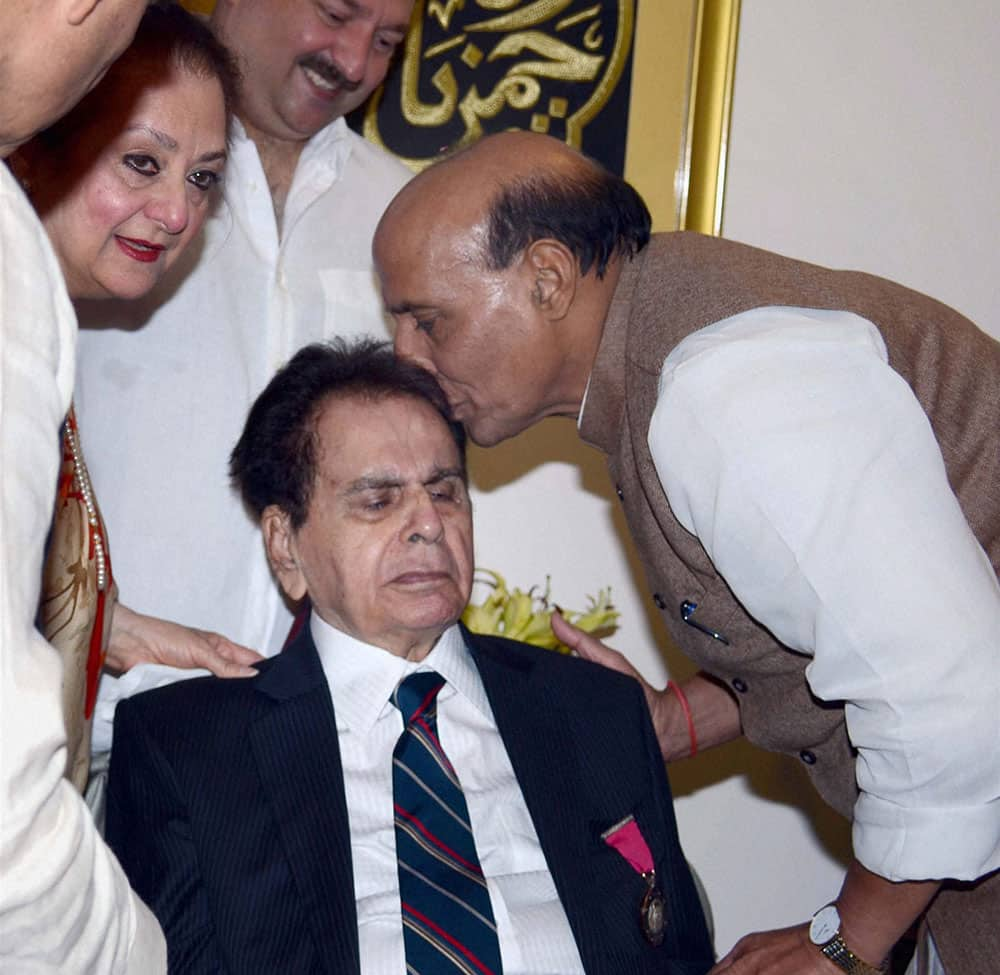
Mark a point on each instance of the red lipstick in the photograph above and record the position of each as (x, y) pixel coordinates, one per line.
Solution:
(139, 250)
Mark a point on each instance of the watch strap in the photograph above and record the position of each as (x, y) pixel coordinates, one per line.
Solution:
(837, 951)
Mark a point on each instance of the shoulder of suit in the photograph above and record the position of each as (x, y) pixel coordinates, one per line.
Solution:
(198, 692)
(556, 666)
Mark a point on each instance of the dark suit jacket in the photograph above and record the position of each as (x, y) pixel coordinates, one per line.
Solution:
(226, 807)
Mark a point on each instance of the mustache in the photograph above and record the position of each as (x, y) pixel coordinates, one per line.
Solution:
(327, 70)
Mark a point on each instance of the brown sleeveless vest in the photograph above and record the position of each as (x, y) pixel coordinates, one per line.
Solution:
(682, 282)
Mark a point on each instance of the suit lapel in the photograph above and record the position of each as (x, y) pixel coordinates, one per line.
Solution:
(577, 780)
(539, 737)
(298, 757)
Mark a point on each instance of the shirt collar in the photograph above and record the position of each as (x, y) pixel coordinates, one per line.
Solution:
(327, 150)
(320, 163)
(362, 677)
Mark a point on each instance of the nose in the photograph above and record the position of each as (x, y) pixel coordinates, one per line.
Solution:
(169, 208)
(351, 48)
(424, 523)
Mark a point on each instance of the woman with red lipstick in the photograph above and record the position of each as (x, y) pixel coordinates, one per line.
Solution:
(123, 184)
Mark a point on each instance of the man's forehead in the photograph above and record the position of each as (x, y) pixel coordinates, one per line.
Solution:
(366, 430)
(386, 13)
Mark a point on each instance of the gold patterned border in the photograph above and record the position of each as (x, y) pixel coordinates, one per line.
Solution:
(590, 65)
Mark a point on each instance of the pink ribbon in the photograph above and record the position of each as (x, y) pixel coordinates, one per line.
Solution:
(627, 839)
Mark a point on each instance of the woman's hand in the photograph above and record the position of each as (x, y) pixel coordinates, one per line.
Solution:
(136, 639)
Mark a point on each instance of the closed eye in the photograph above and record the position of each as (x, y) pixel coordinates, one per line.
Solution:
(450, 490)
(386, 43)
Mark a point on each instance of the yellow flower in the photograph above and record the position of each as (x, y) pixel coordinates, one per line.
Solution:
(526, 616)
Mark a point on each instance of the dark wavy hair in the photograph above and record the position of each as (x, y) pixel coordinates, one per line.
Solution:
(274, 461)
(596, 214)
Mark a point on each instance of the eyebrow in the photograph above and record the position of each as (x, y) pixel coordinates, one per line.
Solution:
(375, 482)
(400, 29)
(444, 474)
(403, 308)
(358, 9)
(170, 143)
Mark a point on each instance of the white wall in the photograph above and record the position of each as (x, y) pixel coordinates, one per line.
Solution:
(863, 136)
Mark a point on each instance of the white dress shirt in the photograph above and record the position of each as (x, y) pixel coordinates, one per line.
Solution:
(533, 930)
(65, 905)
(811, 475)
(165, 385)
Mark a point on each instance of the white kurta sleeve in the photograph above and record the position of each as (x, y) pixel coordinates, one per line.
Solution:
(65, 904)
(811, 475)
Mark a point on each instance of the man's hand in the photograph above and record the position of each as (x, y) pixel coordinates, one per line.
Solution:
(787, 951)
(715, 714)
(139, 639)
(874, 914)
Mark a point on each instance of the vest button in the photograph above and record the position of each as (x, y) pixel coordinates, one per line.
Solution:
(619, 492)
(807, 756)
(658, 599)
(740, 684)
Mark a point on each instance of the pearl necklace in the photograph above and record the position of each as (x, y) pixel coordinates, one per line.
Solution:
(81, 479)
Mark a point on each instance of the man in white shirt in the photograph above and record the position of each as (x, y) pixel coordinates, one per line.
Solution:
(258, 816)
(65, 905)
(809, 463)
(165, 383)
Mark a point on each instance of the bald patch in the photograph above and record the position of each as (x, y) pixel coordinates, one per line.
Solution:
(466, 183)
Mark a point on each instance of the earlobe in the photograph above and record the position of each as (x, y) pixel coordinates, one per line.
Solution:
(279, 542)
(77, 11)
(554, 270)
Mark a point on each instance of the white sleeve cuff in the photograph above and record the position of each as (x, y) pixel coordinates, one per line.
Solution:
(898, 843)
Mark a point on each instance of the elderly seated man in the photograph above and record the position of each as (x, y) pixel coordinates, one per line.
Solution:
(393, 793)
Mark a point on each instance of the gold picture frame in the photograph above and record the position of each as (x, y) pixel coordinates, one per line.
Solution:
(680, 106)
(665, 65)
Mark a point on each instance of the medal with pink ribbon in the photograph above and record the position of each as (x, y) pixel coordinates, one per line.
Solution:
(627, 839)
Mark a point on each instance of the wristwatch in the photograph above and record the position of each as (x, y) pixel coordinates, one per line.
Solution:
(824, 932)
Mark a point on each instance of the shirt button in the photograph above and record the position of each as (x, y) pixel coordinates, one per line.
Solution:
(740, 684)
(658, 599)
(619, 492)
(807, 756)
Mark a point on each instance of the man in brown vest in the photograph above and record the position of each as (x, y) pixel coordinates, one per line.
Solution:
(809, 463)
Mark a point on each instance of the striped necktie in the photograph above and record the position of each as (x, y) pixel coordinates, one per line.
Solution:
(448, 924)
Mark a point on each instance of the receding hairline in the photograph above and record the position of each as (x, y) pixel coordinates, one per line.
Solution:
(495, 163)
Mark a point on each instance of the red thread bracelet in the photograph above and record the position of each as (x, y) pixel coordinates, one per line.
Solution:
(686, 708)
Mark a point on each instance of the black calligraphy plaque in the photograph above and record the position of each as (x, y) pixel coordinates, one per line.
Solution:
(471, 67)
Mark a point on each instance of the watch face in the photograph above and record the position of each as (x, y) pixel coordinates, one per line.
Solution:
(825, 925)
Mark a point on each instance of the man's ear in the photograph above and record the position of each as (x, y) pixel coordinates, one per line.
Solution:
(77, 11)
(554, 270)
(279, 541)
